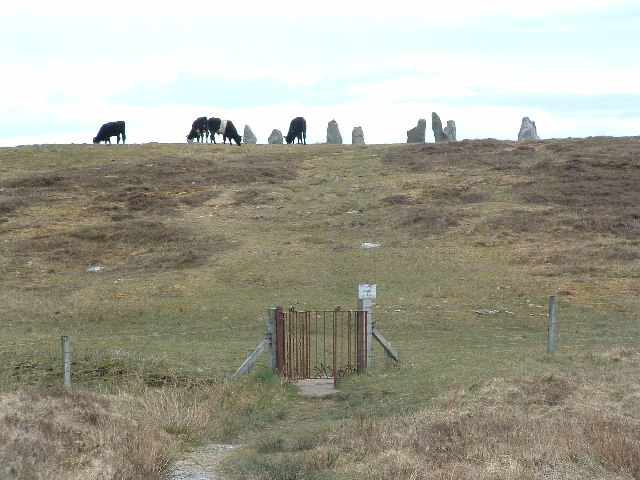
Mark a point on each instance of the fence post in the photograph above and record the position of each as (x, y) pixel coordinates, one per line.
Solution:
(271, 335)
(366, 294)
(66, 362)
(551, 329)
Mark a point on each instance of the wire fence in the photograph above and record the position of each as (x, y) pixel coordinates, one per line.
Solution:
(452, 331)
(422, 335)
(170, 355)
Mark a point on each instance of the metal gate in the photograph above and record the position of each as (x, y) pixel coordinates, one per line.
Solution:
(320, 343)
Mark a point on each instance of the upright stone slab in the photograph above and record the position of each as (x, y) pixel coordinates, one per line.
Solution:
(357, 136)
(450, 130)
(418, 133)
(248, 136)
(436, 126)
(528, 130)
(276, 137)
(333, 133)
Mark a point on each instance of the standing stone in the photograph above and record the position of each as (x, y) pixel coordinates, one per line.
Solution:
(333, 133)
(528, 130)
(248, 136)
(276, 137)
(450, 130)
(357, 136)
(436, 126)
(448, 134)
(418, 133)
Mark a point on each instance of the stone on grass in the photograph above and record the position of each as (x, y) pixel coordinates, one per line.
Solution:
(333, 133)
(276, 137)
(528, 130)
(417, 134)
(357, 136)
(248, 136)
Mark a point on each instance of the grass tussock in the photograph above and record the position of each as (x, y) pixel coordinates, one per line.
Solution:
(216, 412)
(47, 435)
(136, 434)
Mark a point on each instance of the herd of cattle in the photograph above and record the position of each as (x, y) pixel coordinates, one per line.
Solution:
(204, 129)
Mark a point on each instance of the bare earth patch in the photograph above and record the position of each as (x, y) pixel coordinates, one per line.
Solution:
(203, 463)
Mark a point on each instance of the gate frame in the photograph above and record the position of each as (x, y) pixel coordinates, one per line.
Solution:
(273, 344)
(358, 352)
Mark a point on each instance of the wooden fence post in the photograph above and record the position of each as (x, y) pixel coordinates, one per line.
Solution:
(551, 329)
(271, 334)
(66, 362)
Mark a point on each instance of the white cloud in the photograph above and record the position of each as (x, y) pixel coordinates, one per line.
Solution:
(401, 72)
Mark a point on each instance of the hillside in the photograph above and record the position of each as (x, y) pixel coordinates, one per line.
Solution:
(558, 216)
(160, 261)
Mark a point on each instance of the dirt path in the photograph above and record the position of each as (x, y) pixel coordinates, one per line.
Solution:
(203, 464)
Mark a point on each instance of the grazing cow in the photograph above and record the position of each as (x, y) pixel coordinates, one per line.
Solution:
(214, 125)
(297, 129)
(199, 130)
(109, 130)
(226, 128)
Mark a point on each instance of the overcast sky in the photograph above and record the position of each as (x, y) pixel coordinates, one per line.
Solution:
(68, 66)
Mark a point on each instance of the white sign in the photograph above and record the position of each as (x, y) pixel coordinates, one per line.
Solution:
(366, 290)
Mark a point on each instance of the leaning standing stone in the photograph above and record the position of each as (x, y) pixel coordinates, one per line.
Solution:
(528, 130)
(436, 126)
(248, 136)
(275, 137)
(357, 136)
(333, 133)
(417, 133)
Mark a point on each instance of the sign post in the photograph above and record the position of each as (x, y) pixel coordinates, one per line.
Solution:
(366, 295)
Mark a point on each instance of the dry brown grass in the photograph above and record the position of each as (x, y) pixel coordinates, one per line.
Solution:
(51, 435)
(122, 214)
(567, 424)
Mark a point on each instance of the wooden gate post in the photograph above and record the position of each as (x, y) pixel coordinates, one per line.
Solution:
(551, 328)
(66, 362)
(279, 340)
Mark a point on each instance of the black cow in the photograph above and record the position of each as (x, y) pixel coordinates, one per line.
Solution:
(297, 129)
(226, 128)
(109, 130)
(199, 130)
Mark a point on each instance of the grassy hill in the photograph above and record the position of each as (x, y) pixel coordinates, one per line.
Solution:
(162, 259)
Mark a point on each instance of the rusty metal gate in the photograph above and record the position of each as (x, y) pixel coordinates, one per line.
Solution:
(320, 343)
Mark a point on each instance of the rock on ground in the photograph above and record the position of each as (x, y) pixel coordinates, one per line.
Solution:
(276, 137)
(333, 133)
(248, 136)
(357, 136)
(528, 130)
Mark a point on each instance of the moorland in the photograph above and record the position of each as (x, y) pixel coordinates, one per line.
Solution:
(160, 261)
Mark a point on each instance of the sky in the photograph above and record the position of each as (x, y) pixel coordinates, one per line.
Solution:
(67, 67)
